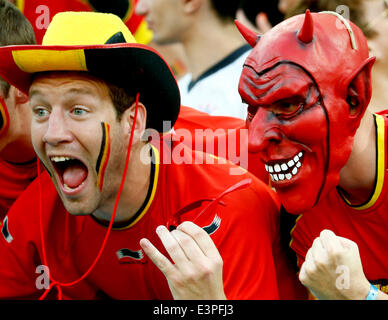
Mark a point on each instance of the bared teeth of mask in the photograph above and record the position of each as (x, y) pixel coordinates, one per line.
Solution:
(288, 176)
(283, 167)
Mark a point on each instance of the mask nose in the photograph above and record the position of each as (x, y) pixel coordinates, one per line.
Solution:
(263, 131)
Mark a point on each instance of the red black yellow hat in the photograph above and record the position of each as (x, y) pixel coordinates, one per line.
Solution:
(100, 44)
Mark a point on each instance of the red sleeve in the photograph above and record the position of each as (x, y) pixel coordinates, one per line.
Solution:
(19, 256)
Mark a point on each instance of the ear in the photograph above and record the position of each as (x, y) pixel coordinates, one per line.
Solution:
(359, 91)
(190, 6)
(128, 118)
(20, 97)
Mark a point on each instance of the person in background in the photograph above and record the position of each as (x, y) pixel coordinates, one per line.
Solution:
(375, 12)
(371, 16)
(286, 5)
(214, 49)
(40, 13)
(259, 15)
(17, 156)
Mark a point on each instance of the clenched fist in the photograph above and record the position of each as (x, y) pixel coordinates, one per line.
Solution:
(333, 269)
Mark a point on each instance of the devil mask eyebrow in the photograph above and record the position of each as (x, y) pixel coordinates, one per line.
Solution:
(282, 82)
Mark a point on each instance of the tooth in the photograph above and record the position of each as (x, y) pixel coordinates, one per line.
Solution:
(300, 154)
(277, 168)
(271, 177)
(281, 176)
(298, 164)
(266, 167)
(288, 176)
(284, 167)
(270, 169)
(290, 163)
(296, 159)
(294, 171)
(275, 176)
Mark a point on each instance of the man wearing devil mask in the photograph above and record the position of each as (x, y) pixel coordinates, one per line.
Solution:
(308, 84)
(17, 156)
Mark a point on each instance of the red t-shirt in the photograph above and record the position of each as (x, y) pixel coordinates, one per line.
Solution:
(228, 139)
(244, 227)
(14, 179)
(228, 135)
(365, 224)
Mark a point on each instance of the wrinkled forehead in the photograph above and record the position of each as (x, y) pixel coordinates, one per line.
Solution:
(282, 81)
(60, 81)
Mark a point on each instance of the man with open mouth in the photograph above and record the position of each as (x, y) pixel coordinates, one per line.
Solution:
(308, 85)
(86, 227)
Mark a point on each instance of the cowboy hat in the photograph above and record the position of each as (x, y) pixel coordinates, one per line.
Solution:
(100, 44)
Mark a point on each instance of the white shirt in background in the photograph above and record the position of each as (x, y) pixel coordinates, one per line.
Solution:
(216, 90)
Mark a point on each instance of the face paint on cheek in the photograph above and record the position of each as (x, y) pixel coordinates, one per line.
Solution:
(103, 157)
(4, 117)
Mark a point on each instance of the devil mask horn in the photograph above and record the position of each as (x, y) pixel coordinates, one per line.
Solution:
(250, 36)
(306, 33)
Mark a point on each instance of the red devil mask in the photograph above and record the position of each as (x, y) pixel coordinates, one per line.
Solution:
(302, 114)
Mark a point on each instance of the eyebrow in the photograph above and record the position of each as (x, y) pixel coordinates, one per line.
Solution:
(34, 93)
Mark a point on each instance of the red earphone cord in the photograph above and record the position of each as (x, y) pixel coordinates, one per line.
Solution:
(59, 284)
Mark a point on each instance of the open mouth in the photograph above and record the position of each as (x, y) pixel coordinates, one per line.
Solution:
(285, 170)
(71, 172)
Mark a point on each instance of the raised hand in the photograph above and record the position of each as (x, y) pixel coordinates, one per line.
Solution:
(333, 269)
(197, 269)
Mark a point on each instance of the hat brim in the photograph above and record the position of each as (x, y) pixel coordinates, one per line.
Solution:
(131, 66)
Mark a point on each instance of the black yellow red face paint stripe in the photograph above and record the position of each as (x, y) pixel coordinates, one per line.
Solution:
(103, 157)
(4, 117)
